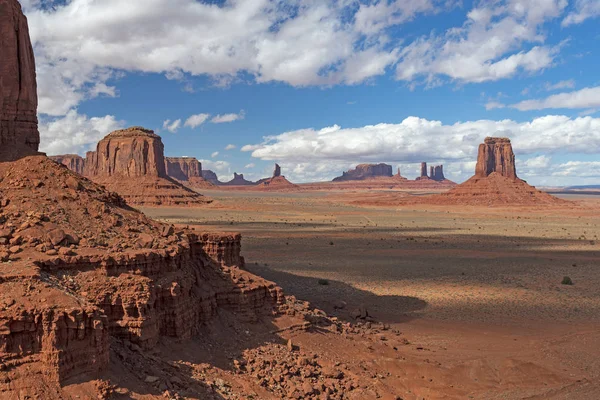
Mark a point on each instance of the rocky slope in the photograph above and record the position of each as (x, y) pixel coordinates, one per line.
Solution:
(19, 134)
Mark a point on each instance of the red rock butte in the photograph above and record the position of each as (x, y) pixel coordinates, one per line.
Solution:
(19, 134)
(496, 155)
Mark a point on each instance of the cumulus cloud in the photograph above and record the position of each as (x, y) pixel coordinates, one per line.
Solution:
(226, 118)
(215, 154)
(196, 120)
(230, 147)
(585, 98)
(75, 133)
(172, 126)
(584, 9)
(498, 40)
(417, 139)
(221, 168)
(537, 162)
(249, 166)
(578, 169)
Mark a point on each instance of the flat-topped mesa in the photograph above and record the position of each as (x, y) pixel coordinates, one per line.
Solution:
(19, 135)
(496, 155)
(72, 161)
(366, 171)
(131, 152)
(183, 168)
(277, 171)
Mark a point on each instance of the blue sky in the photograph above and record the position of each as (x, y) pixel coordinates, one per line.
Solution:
(319, 86)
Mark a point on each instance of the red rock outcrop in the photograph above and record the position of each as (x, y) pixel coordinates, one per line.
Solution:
(19, 134)
(496, 155)
(183, 168)
(84, 267)
(495, 182)
(366, 171)
(131, 162)
(277, 182)
(72, 161)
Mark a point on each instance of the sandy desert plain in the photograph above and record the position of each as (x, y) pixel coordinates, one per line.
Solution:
(475, 292)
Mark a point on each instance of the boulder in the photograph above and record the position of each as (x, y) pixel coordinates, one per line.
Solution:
(19, 136)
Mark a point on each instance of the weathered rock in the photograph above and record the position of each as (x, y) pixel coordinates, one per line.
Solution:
(238, 180)
(19, 134)
(183, 168)
(211, 177)
(131, 152)
(72, 161)
(366, 171)
(496, 155)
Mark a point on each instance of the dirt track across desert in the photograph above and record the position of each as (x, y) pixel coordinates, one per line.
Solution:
(476, 292)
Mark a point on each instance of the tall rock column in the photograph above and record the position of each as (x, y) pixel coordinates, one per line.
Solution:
(277, 171)
(423, 170)
(19, 136)
(496, 155)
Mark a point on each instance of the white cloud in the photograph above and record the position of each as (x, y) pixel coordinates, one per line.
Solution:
(568, 84)
(225, 118)
(493, 105)
(537, 162)
(583, 9)
(172, 126)
(230, 147)
(75, 133)
(417, 139)
(196, 120)
(498, 40)
(215, 154)
(578, 169)
(221, 168)
(250, 166)
(584, 98)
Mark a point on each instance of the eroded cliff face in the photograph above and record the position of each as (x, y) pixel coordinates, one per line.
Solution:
(496, 155)
(19, 134)
(72, 161)
(183, 168)
(211, 177)
(366, 171)
(132, 152)
(84, 267)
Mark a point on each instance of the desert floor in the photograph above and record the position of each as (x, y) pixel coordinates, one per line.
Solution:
(476, 292)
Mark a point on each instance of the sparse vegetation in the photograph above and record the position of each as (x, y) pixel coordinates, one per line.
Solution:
(567, 281)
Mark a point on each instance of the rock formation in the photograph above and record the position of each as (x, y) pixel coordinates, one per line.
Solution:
(72, 161)
(437, 173)
(131, 162)
(183, 168)
(423, 170)
(211, 177)
(495, 182)
(366, 171)
(496, 155)
(19, 134)
(238, 180)
(277, 171)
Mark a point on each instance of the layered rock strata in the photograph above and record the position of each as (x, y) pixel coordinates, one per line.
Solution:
(496, 155)
(72, 161)
(19, 134)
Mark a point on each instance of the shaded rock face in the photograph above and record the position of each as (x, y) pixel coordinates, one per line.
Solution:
(211, 177)
(238, 180)
(437, 173)
(496, 155)
(277, 171)
(423, 170)
(132, 152)
(183, 168)
(365, 171)
(19, 134)
(72, 161)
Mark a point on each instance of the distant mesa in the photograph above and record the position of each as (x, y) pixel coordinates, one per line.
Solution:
(238, 180)
(211, 177)
(366, 171)
(19, 135)
(131, 162)
(187, 171)
(276, 182)
(495, 181)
